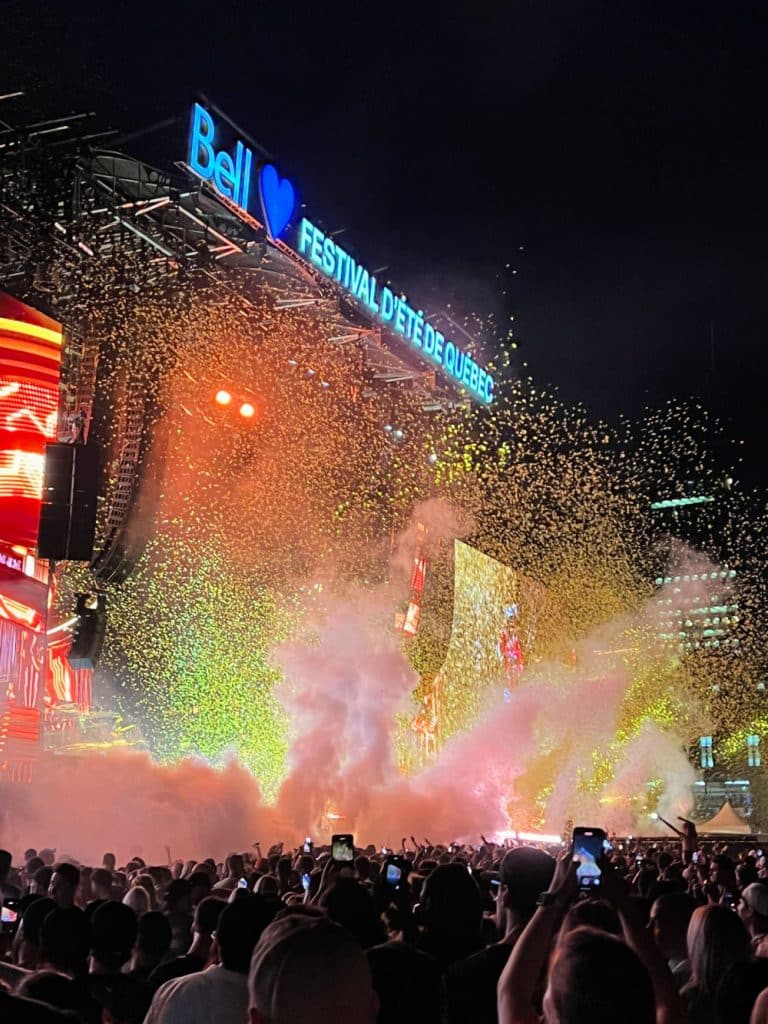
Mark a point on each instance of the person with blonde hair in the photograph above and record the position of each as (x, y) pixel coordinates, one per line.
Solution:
(717, 938)
(138, 900)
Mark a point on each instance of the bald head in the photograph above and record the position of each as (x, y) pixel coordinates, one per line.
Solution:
(306, 968)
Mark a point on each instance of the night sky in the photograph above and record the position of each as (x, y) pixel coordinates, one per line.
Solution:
(622, 145)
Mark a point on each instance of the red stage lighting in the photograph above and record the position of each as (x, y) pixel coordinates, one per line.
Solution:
(30, 358)
(247, 410)
(223, 397)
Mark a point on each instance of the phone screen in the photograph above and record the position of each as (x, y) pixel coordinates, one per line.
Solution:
(306, 882)
(394, 874)
(695, 856)
(9, 916)
(242, 883)
(587, 851)
(343, 848)
(308, 845)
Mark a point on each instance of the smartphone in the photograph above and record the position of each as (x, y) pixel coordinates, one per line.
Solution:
(393, 872)
(695, 856)
(242, 883)
(308, 845)
(306, 881)
(495, 883)
(759, 853)
(9, 916)
(343, 848)
(588, 847)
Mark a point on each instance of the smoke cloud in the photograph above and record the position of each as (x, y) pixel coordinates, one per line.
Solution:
(551, 751)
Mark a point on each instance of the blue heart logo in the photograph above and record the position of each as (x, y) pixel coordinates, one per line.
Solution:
(278, 199)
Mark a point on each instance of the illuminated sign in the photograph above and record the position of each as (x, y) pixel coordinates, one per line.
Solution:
(393, 310)
(229, 171)
(30, 358)
(11, 561)
(231, 174)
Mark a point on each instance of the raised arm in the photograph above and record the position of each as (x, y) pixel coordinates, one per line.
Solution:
(519, 979)
(669, 1009)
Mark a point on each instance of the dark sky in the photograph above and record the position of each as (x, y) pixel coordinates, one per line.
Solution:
(622, 144)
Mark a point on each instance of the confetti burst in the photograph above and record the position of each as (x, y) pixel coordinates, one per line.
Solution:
(240, 522)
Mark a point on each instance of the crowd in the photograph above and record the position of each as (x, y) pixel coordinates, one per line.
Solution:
(675, 931)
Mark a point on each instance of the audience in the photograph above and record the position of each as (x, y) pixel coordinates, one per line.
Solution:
(677, 933)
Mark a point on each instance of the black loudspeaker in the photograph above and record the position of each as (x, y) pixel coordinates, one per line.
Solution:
(68, 509)
(56, 501)
(88, 635)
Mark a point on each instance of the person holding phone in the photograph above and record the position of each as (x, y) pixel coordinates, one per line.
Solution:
(590, 969)
(470, 983)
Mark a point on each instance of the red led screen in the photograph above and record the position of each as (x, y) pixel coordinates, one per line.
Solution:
(30, 362)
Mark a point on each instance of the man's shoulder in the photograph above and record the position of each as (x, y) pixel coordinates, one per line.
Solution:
(179, 967)
(173, 996)
(11, 974)
(188, 982)
(489, 960)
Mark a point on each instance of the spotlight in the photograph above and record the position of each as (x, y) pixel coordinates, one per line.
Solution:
(310, 373)
(247, 410)
(389, 428)
(398, 434)
(223, 397)
(432, 458)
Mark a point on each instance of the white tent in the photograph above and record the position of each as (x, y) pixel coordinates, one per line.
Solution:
(727, 822)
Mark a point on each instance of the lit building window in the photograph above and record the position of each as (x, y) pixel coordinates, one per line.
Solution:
(705, 748)
(753, 751)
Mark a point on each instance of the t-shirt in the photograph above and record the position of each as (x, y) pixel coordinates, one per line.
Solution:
(470, 986)
(216, 995)
(92, 907)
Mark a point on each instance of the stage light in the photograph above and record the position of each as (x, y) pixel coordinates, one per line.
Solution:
(432, 458)
(538, 837)
(399, 434)
(223, 397)
(247, 410)
(389, 428)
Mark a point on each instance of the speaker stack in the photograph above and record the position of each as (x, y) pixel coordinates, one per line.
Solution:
(68, 510)
(88, 635)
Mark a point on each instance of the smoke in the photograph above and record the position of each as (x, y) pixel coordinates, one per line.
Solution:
(125, 802)
(342, 694)
(569, 743)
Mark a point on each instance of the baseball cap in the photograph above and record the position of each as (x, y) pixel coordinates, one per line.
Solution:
(526, 871)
